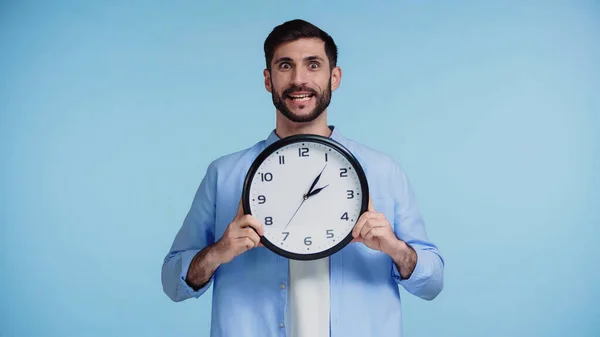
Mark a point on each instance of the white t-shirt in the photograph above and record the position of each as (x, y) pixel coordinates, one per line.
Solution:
(308, 299)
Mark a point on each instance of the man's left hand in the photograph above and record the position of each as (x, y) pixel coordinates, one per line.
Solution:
(374, 230)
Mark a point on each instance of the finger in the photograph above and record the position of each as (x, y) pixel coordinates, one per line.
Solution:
(369, 225)
(375, 232)
(371, 208)
(245, 232)
(250, 221)
(357, 239)
(378, 219)
(240, 211)
(244, 244)
(360, 223)
(251, 234)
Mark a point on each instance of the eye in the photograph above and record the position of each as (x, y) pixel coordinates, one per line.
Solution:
(284, 65)
(314, 65)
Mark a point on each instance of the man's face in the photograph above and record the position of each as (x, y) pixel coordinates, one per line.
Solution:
(300, 80)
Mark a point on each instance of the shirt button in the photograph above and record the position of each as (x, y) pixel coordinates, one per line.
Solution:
(281, 325)
(282, 286)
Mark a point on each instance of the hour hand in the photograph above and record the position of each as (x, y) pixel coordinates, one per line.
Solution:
(316, 191)
(310, 190)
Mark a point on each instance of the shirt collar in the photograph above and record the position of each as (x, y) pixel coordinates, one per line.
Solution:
(335, 135)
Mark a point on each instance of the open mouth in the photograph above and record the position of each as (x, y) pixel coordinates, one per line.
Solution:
(300, 97)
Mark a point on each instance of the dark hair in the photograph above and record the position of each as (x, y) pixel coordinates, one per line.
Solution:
(294, 30)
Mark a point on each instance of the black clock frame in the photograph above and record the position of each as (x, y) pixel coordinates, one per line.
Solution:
(308, 138)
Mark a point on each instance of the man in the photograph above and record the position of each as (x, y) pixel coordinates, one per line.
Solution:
(354, 292)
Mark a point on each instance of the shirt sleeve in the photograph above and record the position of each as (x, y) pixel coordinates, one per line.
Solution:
(196, 233)
(427, 279)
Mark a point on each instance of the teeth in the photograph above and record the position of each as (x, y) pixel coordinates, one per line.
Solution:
(300, 98)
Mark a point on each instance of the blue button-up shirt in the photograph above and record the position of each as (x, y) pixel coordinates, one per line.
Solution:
(248, 296)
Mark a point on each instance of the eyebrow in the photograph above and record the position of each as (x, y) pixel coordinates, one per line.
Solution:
(289, 59)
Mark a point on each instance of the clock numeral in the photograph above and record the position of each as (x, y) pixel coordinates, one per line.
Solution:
(329, 233)
(268, 221)
(345, 216)
(343, 172)
(281, 160)
(325, 156)
(286, 235)
(262, 199)
(307, 241)
(266, 176)
(350, 194)
(303, 152)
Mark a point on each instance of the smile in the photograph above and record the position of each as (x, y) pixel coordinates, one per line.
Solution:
(300, 97)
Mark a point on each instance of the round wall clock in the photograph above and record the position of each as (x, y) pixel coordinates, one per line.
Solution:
(308, 191)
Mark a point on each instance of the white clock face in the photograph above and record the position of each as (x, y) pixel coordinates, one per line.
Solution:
(300, 224)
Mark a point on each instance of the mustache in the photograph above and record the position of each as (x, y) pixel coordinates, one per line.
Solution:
(295, 88)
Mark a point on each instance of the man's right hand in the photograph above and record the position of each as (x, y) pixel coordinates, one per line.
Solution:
(242, 234)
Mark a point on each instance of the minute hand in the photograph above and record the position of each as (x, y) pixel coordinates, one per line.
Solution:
(315, 182)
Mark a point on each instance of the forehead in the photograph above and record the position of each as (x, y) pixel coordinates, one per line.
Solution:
(300, 49)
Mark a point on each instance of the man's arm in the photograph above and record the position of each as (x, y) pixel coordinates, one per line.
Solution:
(241, 234)
(203, 266)
(418, 265)
(195, 236)
(405, 259)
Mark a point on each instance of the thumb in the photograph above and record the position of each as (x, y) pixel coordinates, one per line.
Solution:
(371, 208)
(240, 211)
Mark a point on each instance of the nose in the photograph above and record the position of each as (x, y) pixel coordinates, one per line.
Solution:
(299, 76)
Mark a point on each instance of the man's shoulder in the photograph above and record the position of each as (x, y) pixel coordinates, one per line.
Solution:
(384, 173)
(241, 158)
(371, 156)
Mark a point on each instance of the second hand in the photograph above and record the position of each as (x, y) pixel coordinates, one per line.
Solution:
(303, 200)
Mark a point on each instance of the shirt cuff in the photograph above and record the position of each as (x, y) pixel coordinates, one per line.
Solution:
(186, 260)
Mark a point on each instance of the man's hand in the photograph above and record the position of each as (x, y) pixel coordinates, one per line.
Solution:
(242, 234)
(374, 230)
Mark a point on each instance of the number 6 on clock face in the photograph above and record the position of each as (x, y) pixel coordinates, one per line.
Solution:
(308, 191)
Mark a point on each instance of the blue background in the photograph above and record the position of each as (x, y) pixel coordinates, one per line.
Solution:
(111, 112)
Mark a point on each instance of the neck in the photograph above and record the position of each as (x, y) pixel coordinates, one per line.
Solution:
(319, 126)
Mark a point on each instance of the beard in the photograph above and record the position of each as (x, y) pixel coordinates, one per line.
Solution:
(322, 102)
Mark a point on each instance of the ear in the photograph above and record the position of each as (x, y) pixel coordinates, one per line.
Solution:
(336, 77)
(267, 76)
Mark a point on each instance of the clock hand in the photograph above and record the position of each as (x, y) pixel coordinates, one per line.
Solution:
(308, 194)
(316, 180)
(316, 191)
(303, 200)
